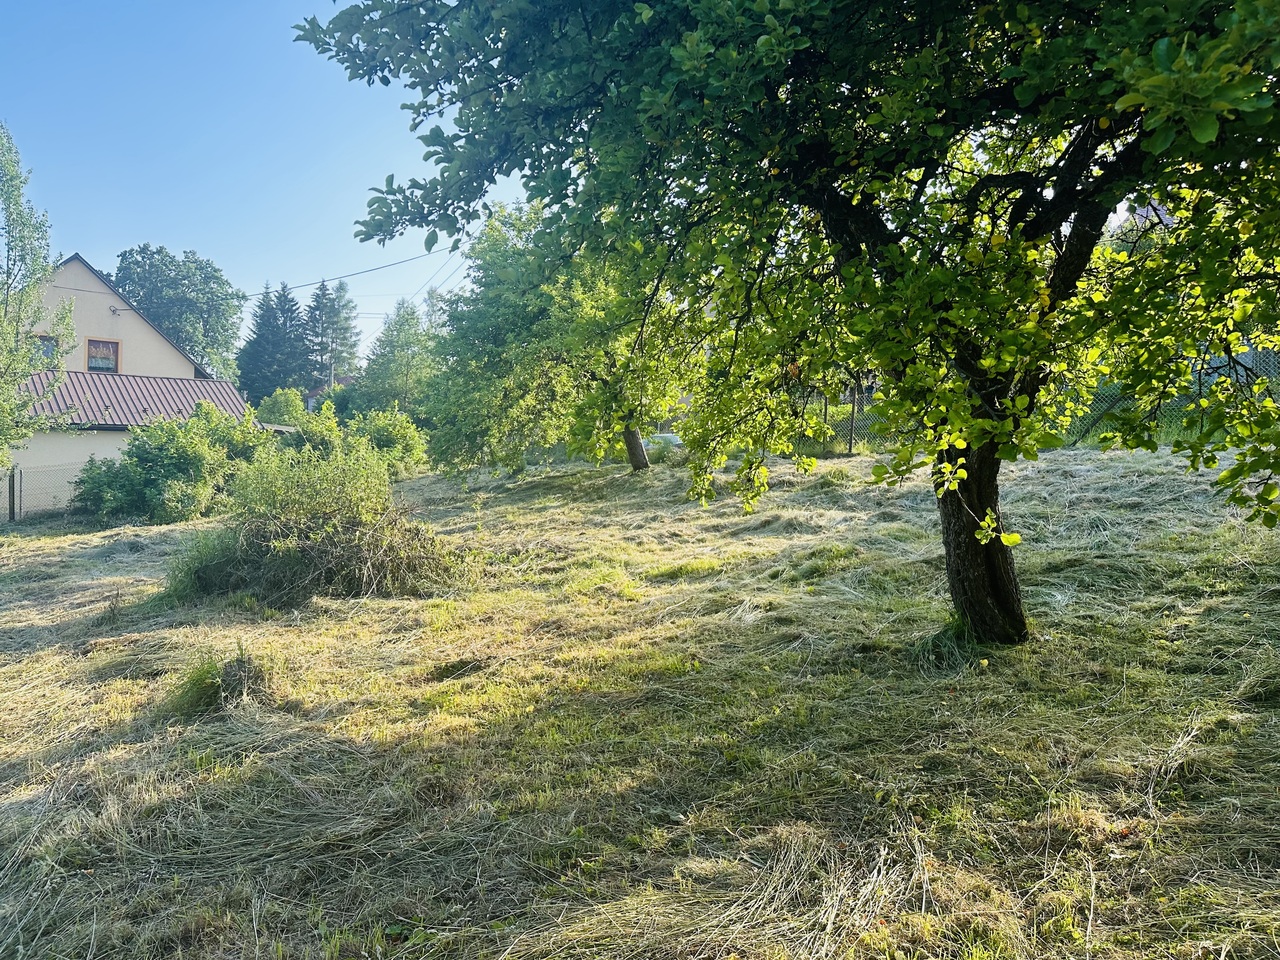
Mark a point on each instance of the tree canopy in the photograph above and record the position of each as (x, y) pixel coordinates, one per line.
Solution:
(32, 337)
(401, 361)
(922, 191)
(187, 297)
(540, 352)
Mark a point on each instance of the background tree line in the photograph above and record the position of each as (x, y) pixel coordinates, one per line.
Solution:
(289, 346)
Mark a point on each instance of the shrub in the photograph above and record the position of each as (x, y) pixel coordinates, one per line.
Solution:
(240, 437)
(394, 436)
(108, 488)
(319, 431)
(170, 471)
(285, 407)
(305, 524)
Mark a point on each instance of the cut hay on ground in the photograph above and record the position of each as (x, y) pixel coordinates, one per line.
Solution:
(654, 729)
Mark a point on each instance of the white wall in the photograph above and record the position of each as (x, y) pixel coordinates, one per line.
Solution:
(50, 461)
(143, 350)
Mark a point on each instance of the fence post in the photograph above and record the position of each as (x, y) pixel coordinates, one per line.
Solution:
(13, 494)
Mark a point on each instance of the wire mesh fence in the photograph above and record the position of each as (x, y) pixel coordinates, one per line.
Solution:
(35, 491)
(853, 425)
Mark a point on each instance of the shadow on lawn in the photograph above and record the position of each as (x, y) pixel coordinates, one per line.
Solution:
(696, 799)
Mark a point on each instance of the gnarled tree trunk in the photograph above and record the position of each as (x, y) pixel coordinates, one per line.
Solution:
(636, 454)
(984, 586)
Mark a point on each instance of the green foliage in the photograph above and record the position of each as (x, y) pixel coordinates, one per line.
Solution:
(309, 489)
(109, 489)
(25, 270)
(318, 431)
(332, 337)
(538, 354)
(277, 352)
(189, 299)
(394, 436)
(307, 523)
(170, 470)
(401, 361)
(285, 408)
(924, 197)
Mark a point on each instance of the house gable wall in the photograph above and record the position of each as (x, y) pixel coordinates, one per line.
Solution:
(143, 350)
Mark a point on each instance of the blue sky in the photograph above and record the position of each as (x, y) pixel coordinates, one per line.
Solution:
(206, 127)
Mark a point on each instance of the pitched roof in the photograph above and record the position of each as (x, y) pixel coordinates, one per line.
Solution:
(126, 400)
(201, 372)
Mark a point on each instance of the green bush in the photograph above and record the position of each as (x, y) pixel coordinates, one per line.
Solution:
(241, 437)
(305, 524)
(284, 408)
(319, 431)
(394, 436)
(108, 489)
(170, 470)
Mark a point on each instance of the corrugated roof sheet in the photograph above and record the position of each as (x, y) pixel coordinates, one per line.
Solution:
(125, 400)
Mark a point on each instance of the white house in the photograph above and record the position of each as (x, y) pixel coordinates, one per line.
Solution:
(122, 372)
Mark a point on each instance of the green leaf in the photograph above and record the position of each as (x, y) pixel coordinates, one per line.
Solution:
(1161, 140)
(1010, 539)
(1204, 127)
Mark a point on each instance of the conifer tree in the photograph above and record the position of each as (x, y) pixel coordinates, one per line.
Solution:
(333, 340)
(276, 353)
(295, 367)
(257, 358)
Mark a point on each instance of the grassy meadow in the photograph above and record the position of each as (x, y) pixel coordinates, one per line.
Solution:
(653, 729)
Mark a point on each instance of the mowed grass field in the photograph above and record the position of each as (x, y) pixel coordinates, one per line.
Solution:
(653, 729)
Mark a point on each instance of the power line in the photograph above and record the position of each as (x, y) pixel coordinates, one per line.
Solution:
(296, 286)
(427, 282)
(450, 276)
(358, 273)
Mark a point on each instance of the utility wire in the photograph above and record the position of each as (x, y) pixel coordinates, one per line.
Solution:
(299, 286)
(427, 282)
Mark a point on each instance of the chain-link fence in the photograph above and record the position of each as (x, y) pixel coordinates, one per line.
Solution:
(32, 491)
(854, 425)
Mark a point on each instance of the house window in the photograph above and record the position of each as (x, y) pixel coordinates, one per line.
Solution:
(48, 346)
(103, 356)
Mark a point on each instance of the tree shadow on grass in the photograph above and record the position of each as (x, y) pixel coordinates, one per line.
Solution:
(695, 796)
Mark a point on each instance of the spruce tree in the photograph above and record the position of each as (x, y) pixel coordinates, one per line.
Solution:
(258, 358)
(276, 354)
(333, 340)
(295, 369)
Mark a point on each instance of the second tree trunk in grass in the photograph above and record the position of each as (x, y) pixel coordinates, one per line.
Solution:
(636, 454)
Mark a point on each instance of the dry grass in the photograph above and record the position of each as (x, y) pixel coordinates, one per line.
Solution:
(659, 730)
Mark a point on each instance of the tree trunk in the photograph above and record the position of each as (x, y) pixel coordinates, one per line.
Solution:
(636, 454)
(984, 586)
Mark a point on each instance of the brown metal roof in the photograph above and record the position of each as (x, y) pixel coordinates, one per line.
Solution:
(125, 400)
